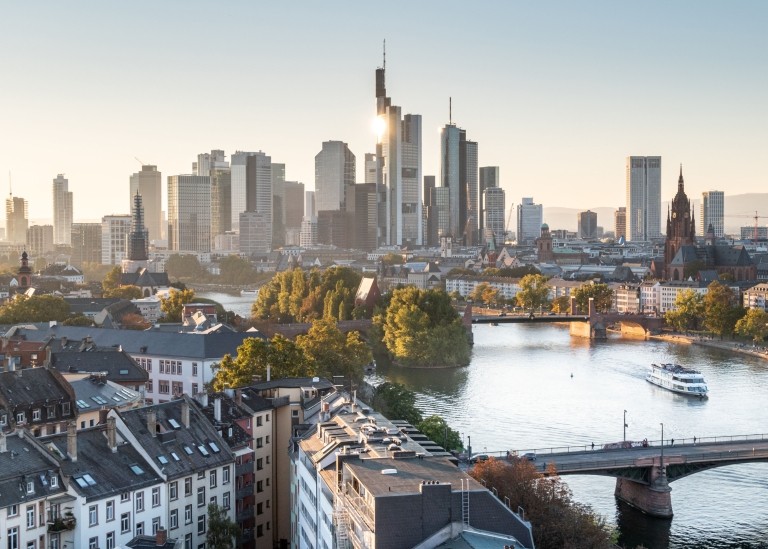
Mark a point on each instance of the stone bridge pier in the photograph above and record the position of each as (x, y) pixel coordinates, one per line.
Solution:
(654, 499)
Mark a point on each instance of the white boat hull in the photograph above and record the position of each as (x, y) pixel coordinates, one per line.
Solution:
(677, 379)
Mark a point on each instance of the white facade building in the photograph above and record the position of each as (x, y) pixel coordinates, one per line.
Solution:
(148, 183)
(712, 213)
(189, 213)
(115, 230)
(530, 217)
(62, 211)
(643, 216)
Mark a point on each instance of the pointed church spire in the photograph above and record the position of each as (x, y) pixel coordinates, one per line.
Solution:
(680, 184)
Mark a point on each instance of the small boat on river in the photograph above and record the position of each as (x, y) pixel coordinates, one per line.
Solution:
(247, 292)
(678, 379)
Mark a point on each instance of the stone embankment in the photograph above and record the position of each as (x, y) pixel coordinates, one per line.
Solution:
(732, 346)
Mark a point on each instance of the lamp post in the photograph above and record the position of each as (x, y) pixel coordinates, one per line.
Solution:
(625, 426)
(661, 461)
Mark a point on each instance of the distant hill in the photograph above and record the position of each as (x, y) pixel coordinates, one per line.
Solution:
(739, 212)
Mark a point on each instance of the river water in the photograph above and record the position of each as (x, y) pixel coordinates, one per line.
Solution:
(533, 386)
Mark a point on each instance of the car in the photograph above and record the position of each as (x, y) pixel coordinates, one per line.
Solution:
(528, 456)
(502, 313)
(479, 457)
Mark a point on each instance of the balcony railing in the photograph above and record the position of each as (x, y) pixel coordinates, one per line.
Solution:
(59, 524)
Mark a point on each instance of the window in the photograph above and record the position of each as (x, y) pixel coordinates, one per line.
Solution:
(195, 388)
(53, 541)
(178, 368)
(201, 475)
(13, 510)
(93, 515)
(13, 538)
(212, 479)
(259, 508)
(259, 442)
(155, 525)
(259, 485)
(30, 487)
(259, 464)
(125, 496)
(225, 500)
(173, 491)
(20, 417)
(214, 500)
(125, 523)
(36, 414)
(110, 510)
(162, 366)
(258, 421)
(110, 540)
(174, 518)
(188, 514)
(225, 475)
(188, 486)
(148, 386)
(267, 460)
(30, 516)
(267, 418)
(163, 387)
(194, 369)
(51, 411)
(93, 543)
(266, 439)
(259, 531)
(139, 502)
(201, 524)
(201, 496)
(54, 481)
(155, 497)
(31, 545)
(177, 387)
(188, 541)
(139, 528)
(65, 409)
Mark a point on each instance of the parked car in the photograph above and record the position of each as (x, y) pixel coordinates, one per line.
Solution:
(479, 457)
(529, 456)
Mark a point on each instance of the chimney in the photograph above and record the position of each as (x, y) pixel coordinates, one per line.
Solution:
(152, 422)
(185, 413)
(111, 435)
(3, 443)
(269, 372)
(161, 537)
(238, 396)
(72, 441)
(217, 409)
(64, 341)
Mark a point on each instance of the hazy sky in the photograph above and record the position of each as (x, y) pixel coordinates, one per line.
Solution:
(556, 93)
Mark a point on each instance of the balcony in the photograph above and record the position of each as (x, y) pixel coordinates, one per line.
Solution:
(244, 468)
(244, 492)
(60, 524)
(245, 514)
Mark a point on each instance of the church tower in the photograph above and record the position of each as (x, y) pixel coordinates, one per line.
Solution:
(24, 273)
(681, 225)
(544, 250)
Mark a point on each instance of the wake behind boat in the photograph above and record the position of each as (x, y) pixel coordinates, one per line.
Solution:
(678, 379)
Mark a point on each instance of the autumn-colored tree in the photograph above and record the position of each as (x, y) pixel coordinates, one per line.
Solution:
(561, 305)
(134, 321)
(78, 320)
(111, 280)
(687, 311)
(173, 305)
(534, 292)
(333, 353)
(754, 324)
(124, 292)
(600, 293)
(37, 308)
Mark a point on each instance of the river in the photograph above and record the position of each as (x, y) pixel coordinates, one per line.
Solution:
(533, 386)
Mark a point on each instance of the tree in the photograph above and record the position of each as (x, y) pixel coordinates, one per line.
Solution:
(437, 430)
(236, 270)
(477, 294)
(111, 280)
(534, 291)
(134, 321)
(720, 312)
(78, 320)
(754, 324)
(222, 531)
(687, 311)
(394, 401)
(250, 361)
(331, 353)
(561, 305)
(601, 293)
(173, 305)
(124, 292)
(184, 266)
(38, 308)
(557, 520)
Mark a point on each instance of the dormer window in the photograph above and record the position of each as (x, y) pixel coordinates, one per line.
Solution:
(30, 487)
(54, 481)
(36, 415)
(21, 418)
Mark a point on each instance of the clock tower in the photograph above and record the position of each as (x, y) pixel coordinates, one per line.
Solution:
(681, 225)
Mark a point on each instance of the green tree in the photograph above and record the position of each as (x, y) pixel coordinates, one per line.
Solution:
(222, 531)
(236, 271)
(601, 293)
(173, 305)
(185, 267)
(250, 360)
(534, 292)
(78, 320)
(687, 311)
(330, 352)
(392, 259)
(394, 401)
(720, 310)
(477, 294)
(124, 292)
(38, 308)
(561, 305)
(754, 324)
(437, 430)
(111, 280)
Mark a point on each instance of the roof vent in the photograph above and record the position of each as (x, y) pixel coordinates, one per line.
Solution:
(389, 471)
(315, 380)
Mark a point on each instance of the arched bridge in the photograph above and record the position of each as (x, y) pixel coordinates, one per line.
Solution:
(643, 471)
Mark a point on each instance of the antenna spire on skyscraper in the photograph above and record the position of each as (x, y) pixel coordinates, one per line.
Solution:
(384, 50)
(450, 110)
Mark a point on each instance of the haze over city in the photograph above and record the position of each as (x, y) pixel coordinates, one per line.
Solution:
(557, 95)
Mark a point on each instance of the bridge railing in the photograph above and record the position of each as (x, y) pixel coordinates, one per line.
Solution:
(668, 442)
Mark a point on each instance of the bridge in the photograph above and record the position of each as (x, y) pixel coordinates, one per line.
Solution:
(643, 470)
(592, 325)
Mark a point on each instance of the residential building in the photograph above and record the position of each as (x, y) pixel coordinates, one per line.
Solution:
(756, 297)
(148, 183)
(96, 395)
(40, 240)
(620, 223)
(86, 243)
(587, 225)
(189, 213)
(643, 197)
(16, 219)
(712, 213)
(115, 230)
(62, 211)
(82, 359)
(530, 218)
(38, 399)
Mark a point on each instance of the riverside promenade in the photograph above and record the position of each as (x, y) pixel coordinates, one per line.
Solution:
(760, 351)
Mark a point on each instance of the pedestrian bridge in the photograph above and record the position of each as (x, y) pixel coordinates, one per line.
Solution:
(643, 472)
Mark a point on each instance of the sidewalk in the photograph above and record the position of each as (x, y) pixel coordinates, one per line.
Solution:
(733, 346)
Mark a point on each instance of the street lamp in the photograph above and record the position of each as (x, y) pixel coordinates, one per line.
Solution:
(661, 461)
(625, 426)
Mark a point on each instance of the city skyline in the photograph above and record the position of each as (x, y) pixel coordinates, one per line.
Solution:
(540, 87)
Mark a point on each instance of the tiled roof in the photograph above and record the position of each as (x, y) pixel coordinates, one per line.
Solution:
(30, 385)
(118, 365)
(24, 461)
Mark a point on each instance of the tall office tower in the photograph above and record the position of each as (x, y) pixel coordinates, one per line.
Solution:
(16, 219)
(398, 171)
(530, 217)
(189, 213)
(40, 240)
(441, 200)
(620, 223)
(294, 204)
(114, 238)
(239, 160)
(86, 243)
(310, 206)
(643, 197)
(489, 177)
(221, 201)
(333, 228)
(308, 236)
(256, 220)
(458, 172)
(493, 224)
(371, 168)
(587, 225)
(138, 239)
(361, 204)
(148, 183)
(334, 172)
(278, 205)
(62, 211)
(712, 213)
(429, 230)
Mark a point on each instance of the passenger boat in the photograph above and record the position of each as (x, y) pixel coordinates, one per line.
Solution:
(678, 379)
(249, 292)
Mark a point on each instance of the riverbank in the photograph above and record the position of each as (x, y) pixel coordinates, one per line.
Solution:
(705, 341)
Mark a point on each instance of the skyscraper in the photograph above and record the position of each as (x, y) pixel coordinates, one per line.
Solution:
(256, 220)
(62, 211)
(278, 205)
(148, 183)
(16, 219)
(587, 225)
(40, 240)
(712, 213)
(620, 223)
(114, 238)
(643, 197)
(458, 173)
(189, 213)
(334, 172)
(530, 217)
(238, 178)
(398, 171)
(489, 177)
(493, 225)
(86, 243)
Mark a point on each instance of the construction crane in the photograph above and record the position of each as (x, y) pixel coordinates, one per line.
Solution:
(756, 217)
(466, 229)
(509, 219)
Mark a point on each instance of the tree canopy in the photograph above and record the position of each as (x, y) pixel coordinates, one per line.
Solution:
(600, 292)
(124, 292)
(534, 292)
(754, 324)
(333, 353)
(37, 308)
(721, 311)
(111, 280)
(222, 531)
(394, 401)
(173, 305)
(687, 312)
(421, 328)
